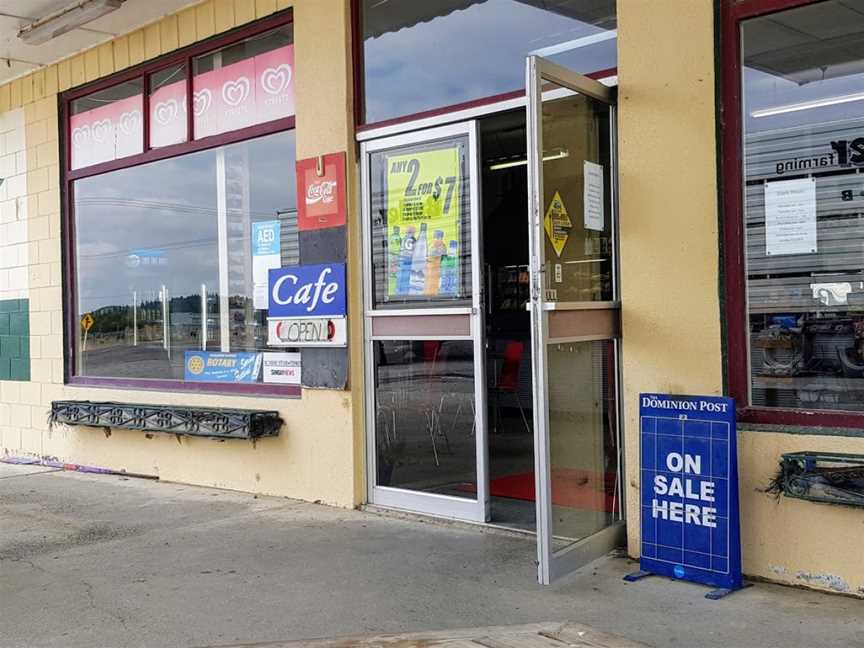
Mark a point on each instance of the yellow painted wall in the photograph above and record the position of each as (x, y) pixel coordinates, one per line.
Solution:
(670, 290)
(318, 454)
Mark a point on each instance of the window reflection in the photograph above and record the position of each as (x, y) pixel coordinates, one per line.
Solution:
(149, 268)
(804, 200)
(423, 55)
(424, 409)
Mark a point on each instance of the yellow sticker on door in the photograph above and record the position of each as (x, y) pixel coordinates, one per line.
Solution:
(557, 224)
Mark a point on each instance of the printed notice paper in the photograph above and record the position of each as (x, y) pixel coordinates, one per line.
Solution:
(790, 217)
(265, 256)
(593, 196)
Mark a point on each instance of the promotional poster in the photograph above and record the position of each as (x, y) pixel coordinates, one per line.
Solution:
(424, 220)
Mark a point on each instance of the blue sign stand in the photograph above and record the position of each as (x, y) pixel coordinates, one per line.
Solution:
(689, 475)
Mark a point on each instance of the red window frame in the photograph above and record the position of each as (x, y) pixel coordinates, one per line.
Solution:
(733, 12)
(360, 89)
(183, 56)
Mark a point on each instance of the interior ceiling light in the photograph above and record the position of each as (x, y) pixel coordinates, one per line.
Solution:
(70, 17)
(807, 105)
(553, 155)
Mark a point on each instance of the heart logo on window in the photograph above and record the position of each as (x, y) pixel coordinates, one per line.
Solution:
(165, 111)
(130, 122)
(101, 130)
(80, 135)
(275, 80)
(235, 92)
(201, 101)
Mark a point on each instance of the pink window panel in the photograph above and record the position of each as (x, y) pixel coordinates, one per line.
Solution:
(168, 115)
(253, 91)
(109, 132)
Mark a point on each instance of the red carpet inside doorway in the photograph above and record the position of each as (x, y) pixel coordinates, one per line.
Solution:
(580, 489)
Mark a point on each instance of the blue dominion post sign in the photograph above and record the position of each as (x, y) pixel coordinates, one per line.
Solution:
(689, 485)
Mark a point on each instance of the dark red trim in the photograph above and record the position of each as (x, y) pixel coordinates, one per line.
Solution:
(734, 268)
(741, 9)
(435, 112)
(801, 418)
(190, 103)
(183, 148)
(145, 113)
(180, 56)
(252, 389)
(357, 68)
(183, 57)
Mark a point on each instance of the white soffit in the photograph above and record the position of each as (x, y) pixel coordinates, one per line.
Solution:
(18, 59)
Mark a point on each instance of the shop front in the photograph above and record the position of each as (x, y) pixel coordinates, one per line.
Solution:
(491, 309)
(426, 256)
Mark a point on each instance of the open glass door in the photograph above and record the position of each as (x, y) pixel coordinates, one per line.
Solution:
(425, 369)
(574, 316)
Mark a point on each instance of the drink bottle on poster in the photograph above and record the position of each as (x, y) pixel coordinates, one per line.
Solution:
(424, 221)
(418, 263)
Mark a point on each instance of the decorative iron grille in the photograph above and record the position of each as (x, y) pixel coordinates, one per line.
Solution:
(192, 421)
(822, 477)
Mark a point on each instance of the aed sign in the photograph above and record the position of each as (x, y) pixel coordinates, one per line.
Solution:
(307, 291)
(690, 525)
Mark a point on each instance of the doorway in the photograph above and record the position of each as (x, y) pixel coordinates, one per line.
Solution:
(504, 191)
(491, 319)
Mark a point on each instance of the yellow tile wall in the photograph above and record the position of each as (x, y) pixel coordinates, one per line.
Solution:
(318, 455)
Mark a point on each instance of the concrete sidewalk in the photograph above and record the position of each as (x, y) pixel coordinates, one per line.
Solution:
(88, 560)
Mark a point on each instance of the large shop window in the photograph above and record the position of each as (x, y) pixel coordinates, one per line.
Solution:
(802, 118)
(419, 56)
(171, 251)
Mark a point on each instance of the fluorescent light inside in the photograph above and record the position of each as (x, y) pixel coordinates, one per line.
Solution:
(808, 105)
(557, 155)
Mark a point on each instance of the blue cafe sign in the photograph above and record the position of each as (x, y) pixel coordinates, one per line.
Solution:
(307, 291)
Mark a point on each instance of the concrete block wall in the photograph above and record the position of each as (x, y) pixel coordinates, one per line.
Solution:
(318, 454)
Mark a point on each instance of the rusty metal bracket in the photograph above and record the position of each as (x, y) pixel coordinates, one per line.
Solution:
(834, 478)
(191, 421)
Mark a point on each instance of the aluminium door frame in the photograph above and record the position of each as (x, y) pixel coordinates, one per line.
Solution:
(552, 565)
(446, 506)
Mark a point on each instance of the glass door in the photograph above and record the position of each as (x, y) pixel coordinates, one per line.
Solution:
(425, 371)
(574, 316)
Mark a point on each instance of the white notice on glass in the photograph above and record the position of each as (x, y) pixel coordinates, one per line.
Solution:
(282, 368)
(593, 196)
(790, 217)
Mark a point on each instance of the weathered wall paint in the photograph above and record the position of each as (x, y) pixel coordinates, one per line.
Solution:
(318, 455)
(669, 259)
(670, 290)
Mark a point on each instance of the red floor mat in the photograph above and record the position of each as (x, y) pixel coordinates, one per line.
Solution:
(571, 488)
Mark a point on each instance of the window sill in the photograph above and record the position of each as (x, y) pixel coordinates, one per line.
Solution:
(213, 422)
(819, 422)
(139, 384)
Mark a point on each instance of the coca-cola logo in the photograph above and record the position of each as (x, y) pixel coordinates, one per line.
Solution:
(321, 192)
(235, 92)
(275, 80)
(201, 101)
(80, 135)
(166, 111)
(101, 130)
(130, 122)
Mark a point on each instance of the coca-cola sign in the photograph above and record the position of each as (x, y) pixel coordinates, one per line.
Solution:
(321, 192)
(321, 183)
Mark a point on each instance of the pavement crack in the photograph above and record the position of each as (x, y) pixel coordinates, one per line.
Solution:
(33, 474)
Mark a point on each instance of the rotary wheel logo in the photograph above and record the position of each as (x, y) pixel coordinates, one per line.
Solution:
(196, 365)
